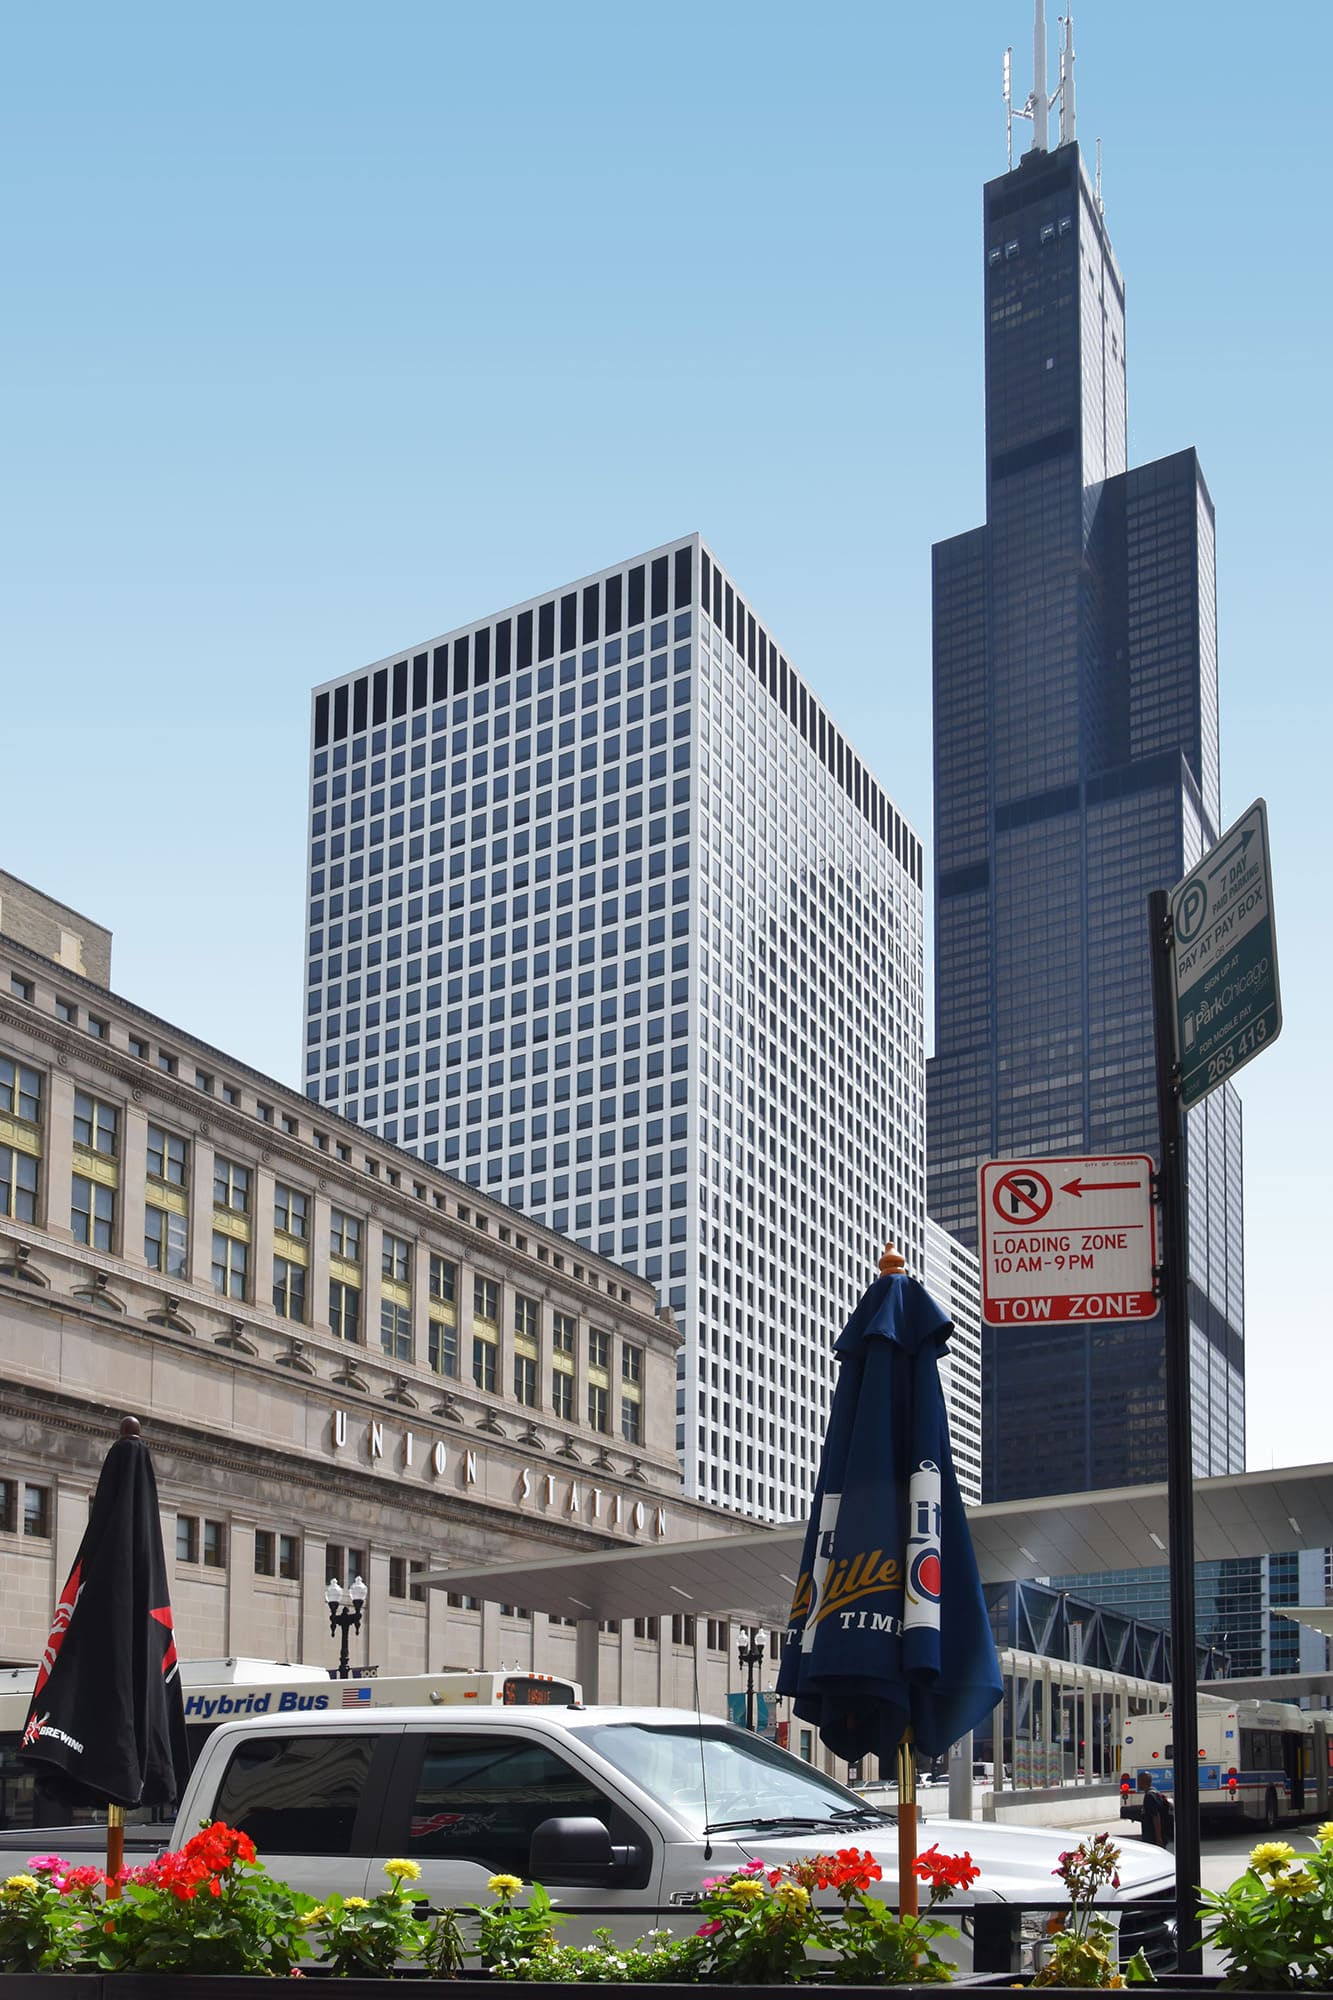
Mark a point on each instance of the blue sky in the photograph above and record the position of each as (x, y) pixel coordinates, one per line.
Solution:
(331, 327)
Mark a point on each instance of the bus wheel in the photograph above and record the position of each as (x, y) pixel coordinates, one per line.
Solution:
(1270, 1809)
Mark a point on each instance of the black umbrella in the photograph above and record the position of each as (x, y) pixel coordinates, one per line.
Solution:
(889, 1643)
(107, 1717)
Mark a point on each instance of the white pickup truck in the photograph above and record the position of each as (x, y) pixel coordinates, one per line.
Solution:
(624, 1809)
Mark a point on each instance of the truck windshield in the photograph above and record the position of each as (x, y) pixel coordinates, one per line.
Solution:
(725, 1779)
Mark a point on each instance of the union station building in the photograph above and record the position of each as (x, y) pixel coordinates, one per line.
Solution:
(344, 1362)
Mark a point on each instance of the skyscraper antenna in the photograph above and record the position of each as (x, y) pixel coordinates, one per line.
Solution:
(1009, 106)
(1068, 129)
(1038, 100)
(1039, 105)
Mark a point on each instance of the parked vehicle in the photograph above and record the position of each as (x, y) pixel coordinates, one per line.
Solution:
(622, 1808)
(218, 1691)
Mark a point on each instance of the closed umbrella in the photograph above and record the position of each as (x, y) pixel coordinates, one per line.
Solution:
(107, 1718)
(889, 1643)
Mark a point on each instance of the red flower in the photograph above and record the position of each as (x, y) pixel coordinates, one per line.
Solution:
(946, 1871)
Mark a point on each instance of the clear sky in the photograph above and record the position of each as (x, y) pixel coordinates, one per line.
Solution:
(329, 327)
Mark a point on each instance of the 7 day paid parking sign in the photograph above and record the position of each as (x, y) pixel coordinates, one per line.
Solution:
(1067, 1240)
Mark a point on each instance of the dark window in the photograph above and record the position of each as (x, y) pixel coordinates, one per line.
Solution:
(440, 674)
(460, 664)
(613, 604)
(524, 640)
(705, 581)
(359, 693)
(321, 720)
(481, 657)
(379, 696)
(479, 1799)
(569, 620)
(729, 601)
(590, 609)
(684, 576)
(503, 636)
(740, 628)
(659, 587)
(717, 596)
(545, 631)
(339, 712)
(400, 687)
(297, 1794)
(635, 596)
(419, 664)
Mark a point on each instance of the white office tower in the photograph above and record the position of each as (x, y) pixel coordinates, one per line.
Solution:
(952, 1276)
(609, 918)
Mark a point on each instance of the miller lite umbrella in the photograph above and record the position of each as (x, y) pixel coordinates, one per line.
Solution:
(107, 1719)
(889, 1642)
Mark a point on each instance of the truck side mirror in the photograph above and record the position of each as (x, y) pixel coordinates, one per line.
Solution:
(576, 1854)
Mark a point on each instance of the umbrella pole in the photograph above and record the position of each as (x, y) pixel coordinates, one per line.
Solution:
(908, 1904)
(115, 1848)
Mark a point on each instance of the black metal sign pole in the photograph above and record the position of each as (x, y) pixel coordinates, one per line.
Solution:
(1173, 1249)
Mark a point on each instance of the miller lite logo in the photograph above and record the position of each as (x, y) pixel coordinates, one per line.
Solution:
(923, 1548)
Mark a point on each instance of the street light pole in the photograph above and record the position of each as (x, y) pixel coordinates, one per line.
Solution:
(749, 1655)
(345, 1607)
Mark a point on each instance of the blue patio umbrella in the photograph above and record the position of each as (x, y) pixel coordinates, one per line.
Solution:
(888, 1631)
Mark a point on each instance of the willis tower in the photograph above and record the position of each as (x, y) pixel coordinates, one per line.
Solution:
(1076, 769)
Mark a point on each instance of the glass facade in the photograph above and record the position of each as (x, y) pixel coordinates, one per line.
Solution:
(1076, 770)
(609, 918)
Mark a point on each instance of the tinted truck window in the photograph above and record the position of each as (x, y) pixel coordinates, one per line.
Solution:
(297, 1794)
(478, 1798)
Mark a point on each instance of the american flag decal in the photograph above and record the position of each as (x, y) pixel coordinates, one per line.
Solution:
(355, 1697)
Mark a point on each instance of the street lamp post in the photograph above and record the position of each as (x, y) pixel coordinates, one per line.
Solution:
(750, 1654)
(345, 1608)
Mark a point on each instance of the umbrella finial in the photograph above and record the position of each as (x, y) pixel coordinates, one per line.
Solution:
(129, 1427)
(892, 1261)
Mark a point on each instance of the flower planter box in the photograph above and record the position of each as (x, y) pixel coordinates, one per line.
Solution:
(226, 1986)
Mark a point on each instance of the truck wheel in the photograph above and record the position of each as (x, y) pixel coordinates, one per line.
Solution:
(1270, 1810)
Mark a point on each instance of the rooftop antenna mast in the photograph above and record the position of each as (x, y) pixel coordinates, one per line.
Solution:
(1068, 129)
(1039, 105)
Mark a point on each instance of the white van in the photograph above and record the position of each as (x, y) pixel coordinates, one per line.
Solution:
(628, 1807)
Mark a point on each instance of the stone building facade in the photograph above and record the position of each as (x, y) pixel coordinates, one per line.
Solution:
(343, 1361)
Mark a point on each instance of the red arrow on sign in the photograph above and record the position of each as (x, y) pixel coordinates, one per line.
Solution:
(1080, 1188)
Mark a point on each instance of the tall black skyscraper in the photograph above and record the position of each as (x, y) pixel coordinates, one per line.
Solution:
(1076, 769)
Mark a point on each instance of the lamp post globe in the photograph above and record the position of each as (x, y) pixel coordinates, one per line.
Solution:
(345, 1608)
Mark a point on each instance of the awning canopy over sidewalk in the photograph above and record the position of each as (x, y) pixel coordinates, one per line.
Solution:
(752, 1573)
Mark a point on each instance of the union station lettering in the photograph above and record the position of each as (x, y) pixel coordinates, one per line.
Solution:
(576, 1499)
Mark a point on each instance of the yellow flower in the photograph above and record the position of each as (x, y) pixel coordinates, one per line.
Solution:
(15, 1884)
(504, 1885)
(793, 1893)
(1324, 1834)
(315, 1916)
(402, 1871)
(748, 1891)
(1301, 1881)
(355, 1903)
(1269, 1855)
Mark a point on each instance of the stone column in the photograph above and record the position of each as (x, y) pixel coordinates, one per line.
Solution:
(317, 1270)
(201, 1216)
(58, 1154)
(261, 1238)
(133, 1169)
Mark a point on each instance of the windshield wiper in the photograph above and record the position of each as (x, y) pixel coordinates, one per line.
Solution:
(765, 1825)
(861, 1815)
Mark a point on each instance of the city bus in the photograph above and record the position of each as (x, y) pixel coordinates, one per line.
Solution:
(218, 1691)
(1258, 1760)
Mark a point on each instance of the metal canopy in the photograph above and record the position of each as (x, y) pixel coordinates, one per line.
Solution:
(752, 1574)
